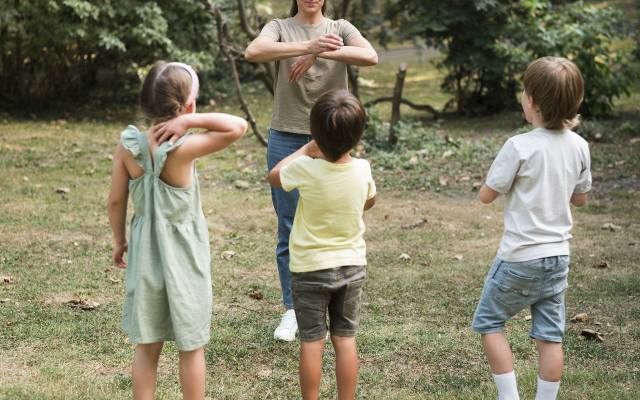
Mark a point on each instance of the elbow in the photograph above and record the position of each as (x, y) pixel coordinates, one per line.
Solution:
(114, 203)
(373, 59)
(241, 129)
(250, 54)
(579, 200)
(484, 199)
(272, 178)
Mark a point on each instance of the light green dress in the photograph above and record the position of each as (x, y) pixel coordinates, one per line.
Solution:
(168, 290)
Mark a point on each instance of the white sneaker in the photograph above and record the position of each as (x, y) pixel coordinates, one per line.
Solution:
(288, 327)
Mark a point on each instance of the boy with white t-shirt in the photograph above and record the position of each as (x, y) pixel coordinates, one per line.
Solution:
(540, 173)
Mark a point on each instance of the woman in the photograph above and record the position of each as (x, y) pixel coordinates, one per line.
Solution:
(311, 54)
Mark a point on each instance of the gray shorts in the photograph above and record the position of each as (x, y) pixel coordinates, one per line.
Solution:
(338, 290)
(512, 286)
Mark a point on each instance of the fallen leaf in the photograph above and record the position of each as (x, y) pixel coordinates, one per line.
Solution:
(6, 279)
(5, 300)
(405, 257)
(256, 294)
(611, 227)
(582, 317)
(527, 317)
(443, 181)
(416, 224)
(113, 279)
(227, 254)
(465, 178)
(63, 190)
(592, 335)
(601, 265)
(476, 185)
(458, 257)
(82, 304)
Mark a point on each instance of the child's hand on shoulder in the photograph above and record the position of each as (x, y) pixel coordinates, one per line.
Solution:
(118, 255)
(171, 130)
(312, 150)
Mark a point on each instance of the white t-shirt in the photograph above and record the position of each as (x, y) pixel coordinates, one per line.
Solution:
(538, 171)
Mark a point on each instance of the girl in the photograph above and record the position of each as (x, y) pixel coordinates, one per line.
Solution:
(311, 54)
(168, 290)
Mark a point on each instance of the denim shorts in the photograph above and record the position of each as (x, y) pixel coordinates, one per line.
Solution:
(512, 286)
(337, 290)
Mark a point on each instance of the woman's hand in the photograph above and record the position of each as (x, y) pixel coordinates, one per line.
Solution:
(301, 66)
(118, 255)
(324, 43)
(171, 130)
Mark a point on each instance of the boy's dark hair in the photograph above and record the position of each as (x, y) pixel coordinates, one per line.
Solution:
(557, 88)
(337, 123)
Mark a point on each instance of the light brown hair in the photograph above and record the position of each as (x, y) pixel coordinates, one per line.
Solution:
(294, 8)
(557, 89)
(337, 123)
(165, 92)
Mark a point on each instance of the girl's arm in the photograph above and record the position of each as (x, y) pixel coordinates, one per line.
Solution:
(264, 49)
(310, 149)
(117, 206)
(222, 130)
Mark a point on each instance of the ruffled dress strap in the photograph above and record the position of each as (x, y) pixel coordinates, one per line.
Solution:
(163, 150)
(135, 143)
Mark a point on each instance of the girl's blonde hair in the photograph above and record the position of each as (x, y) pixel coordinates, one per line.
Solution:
(557, 88)
(294, 8)
(165, 92)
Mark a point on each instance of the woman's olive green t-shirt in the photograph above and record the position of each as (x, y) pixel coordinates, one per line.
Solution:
(293, 100)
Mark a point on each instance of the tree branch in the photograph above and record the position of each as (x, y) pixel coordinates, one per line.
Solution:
(244, 22)
(223, 36)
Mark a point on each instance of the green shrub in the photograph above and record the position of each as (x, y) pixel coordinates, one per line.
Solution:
(488, 43)
(72, 50)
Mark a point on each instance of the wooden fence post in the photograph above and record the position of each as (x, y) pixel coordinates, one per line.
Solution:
(395, 103)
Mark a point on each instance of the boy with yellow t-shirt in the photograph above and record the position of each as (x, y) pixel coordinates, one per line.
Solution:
(327, 248)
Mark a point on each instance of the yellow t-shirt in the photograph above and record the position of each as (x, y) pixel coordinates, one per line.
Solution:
(328, 230)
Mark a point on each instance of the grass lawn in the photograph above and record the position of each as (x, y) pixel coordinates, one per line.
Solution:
(415, 341)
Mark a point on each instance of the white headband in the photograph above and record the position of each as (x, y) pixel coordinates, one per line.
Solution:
(195, 83)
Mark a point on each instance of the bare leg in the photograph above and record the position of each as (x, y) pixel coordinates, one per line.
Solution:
(498, 352)
(192, 374)
(145, 369)
(550, 360)
(347, 364)
(311, 368)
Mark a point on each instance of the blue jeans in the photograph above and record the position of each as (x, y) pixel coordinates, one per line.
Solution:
(539, 284)
(282, 144)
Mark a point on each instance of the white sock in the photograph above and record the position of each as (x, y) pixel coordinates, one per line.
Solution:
(507, 386)
(547, 390)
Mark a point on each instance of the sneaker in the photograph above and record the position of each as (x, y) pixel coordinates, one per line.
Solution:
(288, 327)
